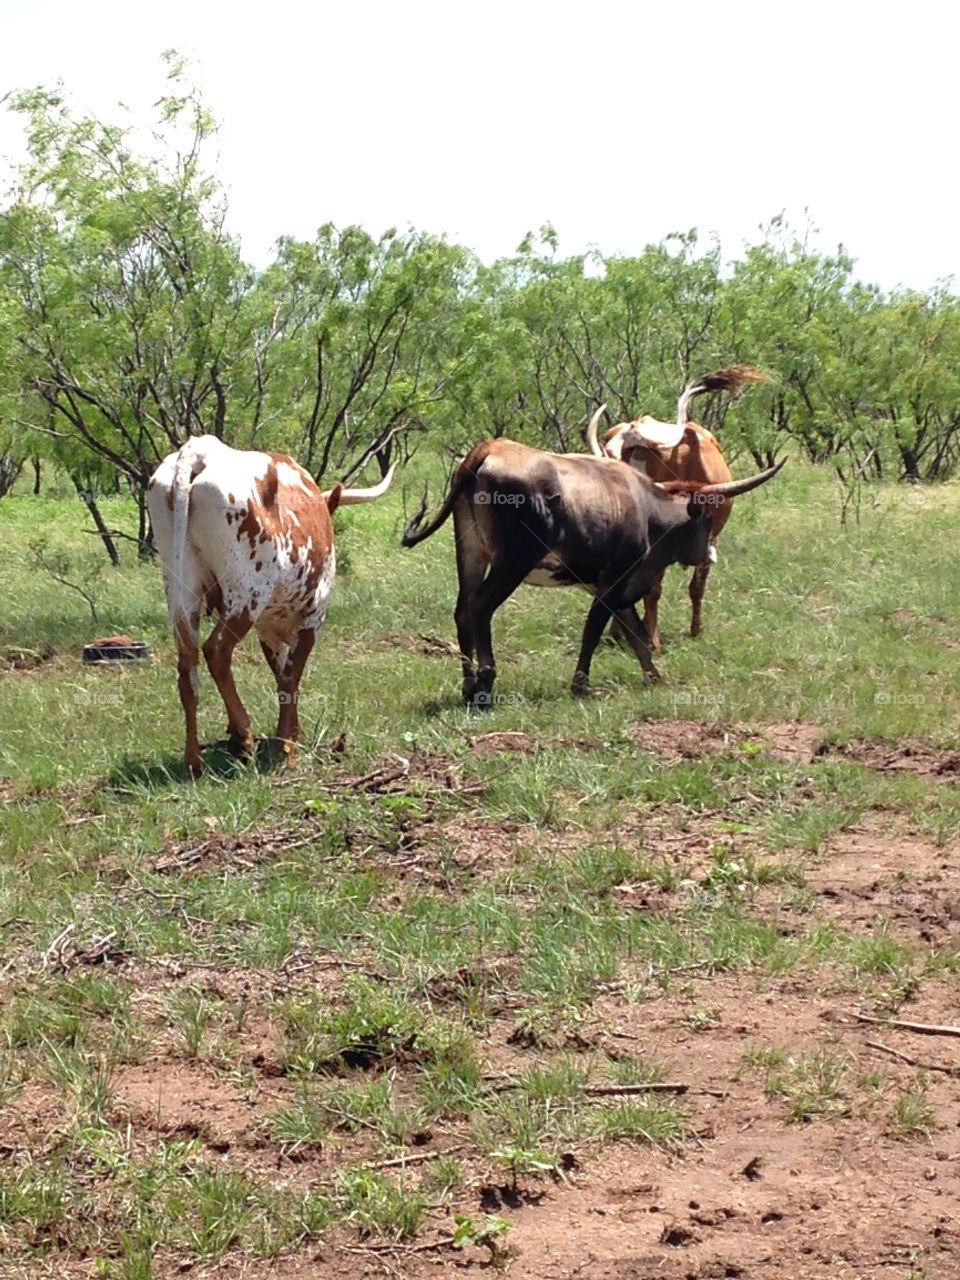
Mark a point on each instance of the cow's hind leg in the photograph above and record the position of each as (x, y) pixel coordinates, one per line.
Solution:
(499, 584)
(472, 564)
(698, 584)
(188, 682)
(276, 656)
(218, 651)
(288, 692)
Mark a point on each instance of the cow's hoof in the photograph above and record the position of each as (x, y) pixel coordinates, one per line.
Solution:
(194, 766)
(654, 676)
(469, 690)
(282, 750)
(241, 745)
(482, 700)
(580, 685)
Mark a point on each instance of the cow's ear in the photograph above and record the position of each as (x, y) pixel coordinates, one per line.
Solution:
(333, 498)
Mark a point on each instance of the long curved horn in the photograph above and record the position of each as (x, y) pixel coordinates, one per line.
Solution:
(733, 488)
(596, 448)
(350, 496)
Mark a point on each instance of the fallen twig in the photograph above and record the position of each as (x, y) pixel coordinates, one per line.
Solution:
(896, 1024)
(613, 1090)
(622, 984)
(57, 947)
(183, 858)
(653, 1086)
(65, 951)
(439, 645)
(417, 1157)
(445, 1243)
(913, 1062)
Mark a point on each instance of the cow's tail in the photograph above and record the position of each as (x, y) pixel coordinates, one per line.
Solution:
(182, 600)
(734, 380)
(596, 448)
(464, 481)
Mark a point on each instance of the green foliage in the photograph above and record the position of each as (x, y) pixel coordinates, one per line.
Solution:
(378, 1205)
(129, 320)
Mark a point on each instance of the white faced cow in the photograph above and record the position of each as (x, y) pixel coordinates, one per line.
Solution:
(246, 536)
(682, 450)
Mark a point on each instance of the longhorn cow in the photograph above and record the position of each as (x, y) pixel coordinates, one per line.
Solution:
(524, 515)
(678, 451)
(246, 536)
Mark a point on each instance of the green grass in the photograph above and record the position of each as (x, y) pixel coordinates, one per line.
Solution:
(371, 949)
(914, 1114)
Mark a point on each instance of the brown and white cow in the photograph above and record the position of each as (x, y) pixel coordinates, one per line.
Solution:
(248, 537)
(524, 515)
(678, 451)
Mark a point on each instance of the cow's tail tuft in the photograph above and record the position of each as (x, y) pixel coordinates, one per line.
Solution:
(733, 380)
(464, 479)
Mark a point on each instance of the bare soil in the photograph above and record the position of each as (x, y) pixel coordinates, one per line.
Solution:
(793, 742)
(751, 1193)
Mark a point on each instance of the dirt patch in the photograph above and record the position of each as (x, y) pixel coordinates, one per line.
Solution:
(792, 742)
(38, 1108)
(675, 740)
(430, 646)
(751, 1195)
(187, 1100)
(872, 880)
(912, 756)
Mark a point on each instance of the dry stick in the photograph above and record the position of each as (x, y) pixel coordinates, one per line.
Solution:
(417, 1157)
(622, 983)
(612, 1090)
(445, 1243)
(657, 1086)
(912, 1062)
(58, 946)
(894, 1024)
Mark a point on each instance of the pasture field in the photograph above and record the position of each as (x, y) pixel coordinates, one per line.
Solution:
(567, 988)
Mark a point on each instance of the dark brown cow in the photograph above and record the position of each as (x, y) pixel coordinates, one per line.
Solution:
(523, 515)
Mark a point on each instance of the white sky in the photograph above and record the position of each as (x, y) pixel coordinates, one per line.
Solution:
(617, 122)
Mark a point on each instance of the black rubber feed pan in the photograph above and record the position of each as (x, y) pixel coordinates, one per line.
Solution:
(116, 649)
